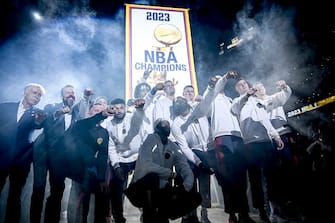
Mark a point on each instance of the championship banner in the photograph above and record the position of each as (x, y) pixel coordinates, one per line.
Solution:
(158, 43)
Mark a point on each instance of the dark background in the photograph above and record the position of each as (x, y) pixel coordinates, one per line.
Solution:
(292, 41)
(81, 42)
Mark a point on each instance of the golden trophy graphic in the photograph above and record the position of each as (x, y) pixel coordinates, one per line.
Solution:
(168, 35)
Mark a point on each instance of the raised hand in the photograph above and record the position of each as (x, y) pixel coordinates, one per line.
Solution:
(159, 86)
(231, 74)
(146, 73)
(251, 91)
(213, 80)
(139, 103)
(40, 116)
(281, 85)
(111, 109)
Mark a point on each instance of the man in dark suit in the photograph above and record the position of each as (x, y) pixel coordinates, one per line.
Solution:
(18, 120)
(81, 154)
(60, 117)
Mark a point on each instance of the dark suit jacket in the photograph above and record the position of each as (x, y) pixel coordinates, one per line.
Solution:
(84, 146)
(15, 147)
(55, 125)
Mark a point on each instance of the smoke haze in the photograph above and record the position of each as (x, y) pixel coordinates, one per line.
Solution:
(80, 50)
(72, 45)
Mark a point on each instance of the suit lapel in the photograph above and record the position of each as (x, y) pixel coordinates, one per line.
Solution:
(26, 115)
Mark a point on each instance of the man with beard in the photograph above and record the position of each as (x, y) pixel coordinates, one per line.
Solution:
(126, 136)
(60, 116)
(18, 120)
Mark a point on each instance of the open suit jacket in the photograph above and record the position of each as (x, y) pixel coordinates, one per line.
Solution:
(84, 147)
(53, 131)
(15, 145)
(55, 125)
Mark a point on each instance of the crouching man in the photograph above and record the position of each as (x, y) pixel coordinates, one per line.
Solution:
(163, 179)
